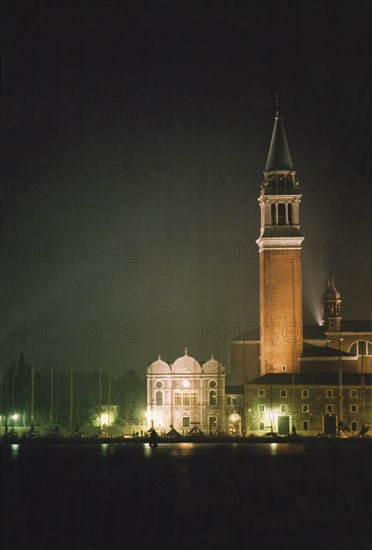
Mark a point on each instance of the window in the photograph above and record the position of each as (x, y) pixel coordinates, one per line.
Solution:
(353, 408)
(261, 408)
(228, 401)
(284, 368)
(329, 408)
(283, 408)
(159, 398)
(212, 423)
(361, 347)
(186, 399)
(212, 384)
(194, 398)
(262, 426)
(177, 399)
(305, 394)
(283, 393)
(354, 426)
(234, 401)
(354, 393)
(329, 393)
(305, 425)
(261, 393)
(305, 408)
(159, 384)
(186, 421)
(212, 398)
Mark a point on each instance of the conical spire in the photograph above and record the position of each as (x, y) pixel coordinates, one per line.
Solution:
(279, 157)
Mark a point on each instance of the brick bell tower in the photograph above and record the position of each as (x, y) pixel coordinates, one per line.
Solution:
(280, 245)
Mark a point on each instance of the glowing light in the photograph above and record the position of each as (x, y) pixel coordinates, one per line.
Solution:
(186, 383)
(15, 416)
(104, 418)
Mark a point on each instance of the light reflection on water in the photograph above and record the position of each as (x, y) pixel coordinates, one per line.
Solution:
(184, 450)
(104, 449)
(15, 450)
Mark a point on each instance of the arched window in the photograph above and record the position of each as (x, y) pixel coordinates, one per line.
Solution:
(361, 347)
(159, 398)
(194, 398)
(177, 399)
(212, 398)
(186, 399)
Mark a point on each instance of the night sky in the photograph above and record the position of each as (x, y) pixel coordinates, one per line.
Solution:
(133, 138)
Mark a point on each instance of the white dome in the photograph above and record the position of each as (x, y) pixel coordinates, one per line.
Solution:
(186, 365)
(213, 367)
(159, 367)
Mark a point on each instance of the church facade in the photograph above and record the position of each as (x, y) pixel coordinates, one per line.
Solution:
(186, 396)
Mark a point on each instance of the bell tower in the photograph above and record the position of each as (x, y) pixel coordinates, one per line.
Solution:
(280, 246)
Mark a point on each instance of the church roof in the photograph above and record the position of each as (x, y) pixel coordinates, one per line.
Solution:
(323, 351)
(312, 332)
(159, 367)
(279, 157)
(213, 367)
(331, 292)
(186, 365)
(305, 378)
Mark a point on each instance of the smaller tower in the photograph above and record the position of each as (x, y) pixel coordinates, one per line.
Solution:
(331, 307)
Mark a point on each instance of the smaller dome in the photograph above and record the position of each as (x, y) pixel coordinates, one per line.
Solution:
(159, 367)
(331, 293)
(213, 367)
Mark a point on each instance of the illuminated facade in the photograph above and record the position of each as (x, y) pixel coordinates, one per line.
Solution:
(186, 395)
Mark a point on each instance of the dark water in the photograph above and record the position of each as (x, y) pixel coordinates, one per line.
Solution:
(186, 496)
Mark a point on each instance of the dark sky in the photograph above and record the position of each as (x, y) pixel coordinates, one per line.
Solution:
(133, 137)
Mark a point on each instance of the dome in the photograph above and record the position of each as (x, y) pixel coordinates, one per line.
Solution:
(159, 367)
(186, 365)
(331, 293)
(213, 367)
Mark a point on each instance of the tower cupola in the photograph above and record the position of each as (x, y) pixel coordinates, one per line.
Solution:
(331, 307)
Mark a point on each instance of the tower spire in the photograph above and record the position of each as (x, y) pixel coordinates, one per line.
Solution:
(279, 157)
